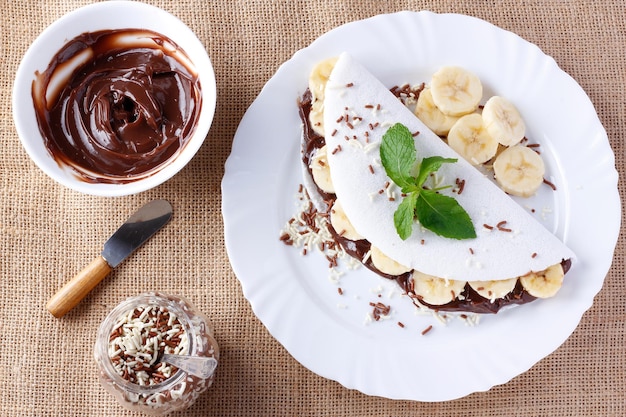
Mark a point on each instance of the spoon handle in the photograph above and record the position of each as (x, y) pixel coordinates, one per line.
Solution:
(200, 366)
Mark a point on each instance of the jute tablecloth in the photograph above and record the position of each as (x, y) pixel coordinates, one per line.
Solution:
(47, 232)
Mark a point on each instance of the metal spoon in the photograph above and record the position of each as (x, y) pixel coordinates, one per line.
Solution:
(200, 366)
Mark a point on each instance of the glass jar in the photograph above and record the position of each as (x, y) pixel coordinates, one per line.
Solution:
(131, 340)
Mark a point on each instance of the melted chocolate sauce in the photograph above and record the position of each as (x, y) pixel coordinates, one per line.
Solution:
(468, 301)
(312, 141)
(116, 105)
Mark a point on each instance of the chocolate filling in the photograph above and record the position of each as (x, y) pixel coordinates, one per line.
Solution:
(468, 301)
(311, 140)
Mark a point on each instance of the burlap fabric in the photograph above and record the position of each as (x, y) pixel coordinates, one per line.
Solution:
(47, 232)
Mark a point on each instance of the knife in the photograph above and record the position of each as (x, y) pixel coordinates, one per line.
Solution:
(139, 227)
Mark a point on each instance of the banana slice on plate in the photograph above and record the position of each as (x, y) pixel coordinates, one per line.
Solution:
(341, 223)
(544, 284)
(321, 170)
(319, 77)
(493, 289)
(316, 117)
(317, 85)
(456, 91)
(469, 137)
(385, 264)
(434, 290)
(519, 170)
(431, 116)
(503, 121)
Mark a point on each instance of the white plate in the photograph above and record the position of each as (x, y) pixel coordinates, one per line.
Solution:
(327, 332)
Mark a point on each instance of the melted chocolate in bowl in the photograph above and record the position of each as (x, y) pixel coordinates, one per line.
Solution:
(117, 105)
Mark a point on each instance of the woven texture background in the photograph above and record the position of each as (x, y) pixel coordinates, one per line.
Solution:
(47, 232)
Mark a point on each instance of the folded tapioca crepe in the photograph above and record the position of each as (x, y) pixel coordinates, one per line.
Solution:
(510, 242)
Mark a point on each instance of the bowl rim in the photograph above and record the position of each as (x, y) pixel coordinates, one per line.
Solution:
(81, 20)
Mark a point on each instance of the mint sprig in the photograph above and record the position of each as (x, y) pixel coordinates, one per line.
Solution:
(436, 212)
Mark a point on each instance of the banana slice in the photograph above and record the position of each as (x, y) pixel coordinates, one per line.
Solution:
(519, 170)
(544, 284)
(503, 121)
(456, 91)
(319, 77)
(469, 138)
(431, 116)
(321, 170)
(317, 85)
(341, 223)
(493, 289)
(385, 264)
(316, 117)
(434, 290)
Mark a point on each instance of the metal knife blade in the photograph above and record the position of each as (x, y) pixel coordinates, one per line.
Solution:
(136, 230)
(144, 223)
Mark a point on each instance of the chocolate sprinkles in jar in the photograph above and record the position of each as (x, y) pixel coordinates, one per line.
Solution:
(130, 345)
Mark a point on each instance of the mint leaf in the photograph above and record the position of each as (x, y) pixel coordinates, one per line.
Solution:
(443, 215)
(398, 156)
(404, 215)
(430, 165)
(438, 213)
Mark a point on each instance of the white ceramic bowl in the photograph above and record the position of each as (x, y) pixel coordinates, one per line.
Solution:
(100, 16)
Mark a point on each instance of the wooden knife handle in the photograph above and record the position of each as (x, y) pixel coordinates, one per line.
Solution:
(78, 287)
